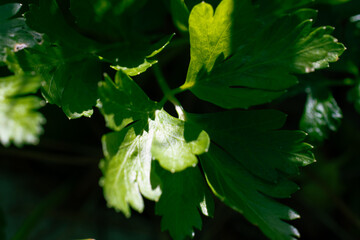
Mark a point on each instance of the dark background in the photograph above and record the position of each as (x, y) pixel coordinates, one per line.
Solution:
(51, 191)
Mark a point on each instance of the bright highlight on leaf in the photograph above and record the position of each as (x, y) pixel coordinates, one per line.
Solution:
(242, 53)
(127, 170)
(170, 148)
(238, 61)
(142, 133)
(19, 120)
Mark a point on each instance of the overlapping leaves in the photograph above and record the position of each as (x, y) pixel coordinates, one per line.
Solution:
(248, 162)
(14, 33)
(141, 131)
(238, 59)
(70, 63)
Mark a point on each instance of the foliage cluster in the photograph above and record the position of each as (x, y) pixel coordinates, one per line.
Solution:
(209, 133)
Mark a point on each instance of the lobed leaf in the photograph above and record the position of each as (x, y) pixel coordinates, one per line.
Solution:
(170, 146)
(142, 133)
(123, 102)
(252, 138)
(70, 63)
(127, 168)
(237, 61)
(69, 78)
(248, 162)
(184, 195)
(247, 194)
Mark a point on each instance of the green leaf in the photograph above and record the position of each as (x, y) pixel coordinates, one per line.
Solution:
(127, 168)
(70, 63)
(321, 114)
(133, 55)
(252, 139)
(143, 133)
(248, 162)
(14, 33)
(270, 8)
(124, 102)
(20, 122)
(176, 144)
(46, 17)
(127, 164)
(184, 195)
(109, 19)
(247, 194)
(238, 62)
(70, 79)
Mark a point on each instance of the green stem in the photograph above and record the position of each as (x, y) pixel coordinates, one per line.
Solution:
(169, 95)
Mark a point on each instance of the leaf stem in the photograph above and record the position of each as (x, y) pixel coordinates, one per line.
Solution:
(169, 95)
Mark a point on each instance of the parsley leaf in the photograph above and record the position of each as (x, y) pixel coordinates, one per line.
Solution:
(173, 146)
(184, 195)
(123, 102)
(251, 137)
(110, 19)
(236, 61)
(246, 194)
(14, 33)
(70, 63)
(69, 78)
(127, 169)
(248, 162)
(21, 123)
(142, 133)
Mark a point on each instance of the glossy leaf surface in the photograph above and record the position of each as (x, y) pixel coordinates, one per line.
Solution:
(126, 169)
(253, 140)
(70, 62)
(248, 162)
(237, 61)
(321, 115)
(185, 195)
